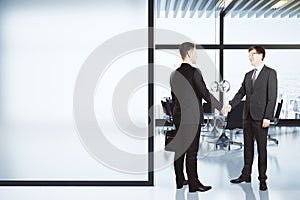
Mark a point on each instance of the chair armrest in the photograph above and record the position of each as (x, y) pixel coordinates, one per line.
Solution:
(274, 121)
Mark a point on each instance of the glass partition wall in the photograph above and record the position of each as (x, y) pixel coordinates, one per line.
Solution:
(281, 41)
(170, 32)
(229, 32)
(172, 28)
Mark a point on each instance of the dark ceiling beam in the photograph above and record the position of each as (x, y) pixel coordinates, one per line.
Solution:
(294, 13)
(218, 12)
(290, 10)
(271, 11)
(193, 6)
(212, 8)
(235, 8)
(240, 4)
(167, 8)
(248, 8)
(229, 7)
(239, 8)
(212, 5)
(288, 6)
(266, 8)
(278, 11)
(202, 6)
(158, 8)
(199, 5)
(185, 7)
(176, 7)
(257, 7)
(201, 12)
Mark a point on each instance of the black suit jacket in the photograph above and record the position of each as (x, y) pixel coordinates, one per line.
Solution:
(261, 99)
(188, 89)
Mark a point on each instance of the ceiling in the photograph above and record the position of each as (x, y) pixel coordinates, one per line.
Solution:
(232, 8)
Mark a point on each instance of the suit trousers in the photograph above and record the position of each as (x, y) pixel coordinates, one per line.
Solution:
(190, 135)
(253, 131)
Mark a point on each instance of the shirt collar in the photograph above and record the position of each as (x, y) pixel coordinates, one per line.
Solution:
(259, 67)
(188, 62)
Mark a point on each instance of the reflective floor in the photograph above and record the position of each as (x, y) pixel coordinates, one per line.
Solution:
(215, 167)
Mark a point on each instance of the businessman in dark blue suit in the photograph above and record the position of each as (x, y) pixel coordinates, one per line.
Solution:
(188, 89)
(260, 88)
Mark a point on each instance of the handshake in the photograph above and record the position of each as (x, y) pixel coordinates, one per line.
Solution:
(226, 109)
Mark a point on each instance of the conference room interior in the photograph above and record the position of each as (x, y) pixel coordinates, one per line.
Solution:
(49, 50)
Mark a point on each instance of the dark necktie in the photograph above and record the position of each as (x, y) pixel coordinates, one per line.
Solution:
(253, 77)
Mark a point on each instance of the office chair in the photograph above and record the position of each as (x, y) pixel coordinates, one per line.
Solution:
(234, 121)
(167, 105)
(207, 117)
(275, 120)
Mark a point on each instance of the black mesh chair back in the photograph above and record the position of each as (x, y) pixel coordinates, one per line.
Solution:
(234, 120)
(235, 117)
(278, 109)
(168, 106)
(274, 121)
(207, 108)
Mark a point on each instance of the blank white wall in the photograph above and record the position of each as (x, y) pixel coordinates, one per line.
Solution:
(43, 46)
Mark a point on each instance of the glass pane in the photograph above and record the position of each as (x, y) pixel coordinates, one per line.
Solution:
(166, 61)
(261, 30)
(199, 30)
(285, 62)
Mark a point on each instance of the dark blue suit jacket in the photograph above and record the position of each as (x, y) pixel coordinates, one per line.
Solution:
(188, 89)
(261, 99)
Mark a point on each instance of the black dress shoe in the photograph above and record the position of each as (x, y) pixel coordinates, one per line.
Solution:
(185, 182)
(240, 180)
(200, 188)
(263, 186)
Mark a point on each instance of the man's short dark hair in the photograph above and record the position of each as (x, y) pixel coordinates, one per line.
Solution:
(185, 47)
(258, 49)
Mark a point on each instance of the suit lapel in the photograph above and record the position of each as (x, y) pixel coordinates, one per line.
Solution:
(260, 76)
(248, 79)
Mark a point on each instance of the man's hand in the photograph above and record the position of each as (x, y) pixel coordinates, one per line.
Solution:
(266, 123)
(226, 109)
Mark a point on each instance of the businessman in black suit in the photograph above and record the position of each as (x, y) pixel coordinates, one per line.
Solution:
(260, 88)
(188, 89)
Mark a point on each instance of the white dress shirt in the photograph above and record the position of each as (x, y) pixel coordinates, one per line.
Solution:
(259, 67)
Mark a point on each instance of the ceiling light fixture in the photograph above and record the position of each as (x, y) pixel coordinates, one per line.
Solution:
(279, 4)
